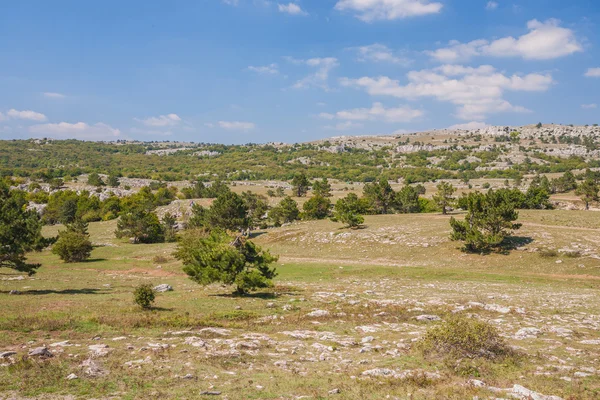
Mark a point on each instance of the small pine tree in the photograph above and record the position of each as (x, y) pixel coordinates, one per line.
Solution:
(300, 185)
(144, 296)
(588, 191)
(489, 221)
(73, 244)
(322, 188)
(285, 212)
(347, 210)
(140, 225)
(95, 180)
(169, 223)
(316, 207)
(443, 198)
(218, 257)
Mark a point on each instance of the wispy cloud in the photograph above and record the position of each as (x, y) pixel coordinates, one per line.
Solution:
(236, 125)
(161, 120)
(53, 95)
(372, 10)
(271, 69)
(78, 130)
(26, 114)
(291, 8)
(593, 73)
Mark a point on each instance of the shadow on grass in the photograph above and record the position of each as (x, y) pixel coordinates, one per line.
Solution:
(513, 242)
(66, 291)
(261, 295)
(93, 260)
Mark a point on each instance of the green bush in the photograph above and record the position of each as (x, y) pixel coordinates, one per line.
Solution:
(144, 296)
(72, 246)
(462, 337)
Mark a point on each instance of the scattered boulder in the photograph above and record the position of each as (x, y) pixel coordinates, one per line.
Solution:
(70, 377)
(41, 352)
(318, 313)
(163, 288)
(527, 333)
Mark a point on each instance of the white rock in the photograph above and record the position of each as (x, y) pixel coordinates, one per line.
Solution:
(163, 288)
(318, 313)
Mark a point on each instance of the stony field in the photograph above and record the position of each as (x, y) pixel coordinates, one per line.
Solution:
(342, 322)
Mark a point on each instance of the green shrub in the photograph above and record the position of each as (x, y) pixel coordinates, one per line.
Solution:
(144, 296)
(461, 337)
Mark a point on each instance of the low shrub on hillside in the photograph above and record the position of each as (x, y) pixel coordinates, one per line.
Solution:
(462, 337)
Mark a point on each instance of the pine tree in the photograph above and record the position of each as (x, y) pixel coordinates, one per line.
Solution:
(381, 196)
(218, 257)
(73, 244)
(489, 221)
(588, 191)
(20, 231)
(141, 225)
(443, 198)
(300, 185)
(347, 210)
(322, 188)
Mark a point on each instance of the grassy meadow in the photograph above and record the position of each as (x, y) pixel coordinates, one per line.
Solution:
(367, 286)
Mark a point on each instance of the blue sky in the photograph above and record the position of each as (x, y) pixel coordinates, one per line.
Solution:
(239, 71)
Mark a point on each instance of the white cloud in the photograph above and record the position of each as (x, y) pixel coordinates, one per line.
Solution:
(318, 79)
(544, 41)
(266, 69)
(469, 125)
(161, 120)
(231, 2)
(491, 5)
(379, 53)
(344, 126)
(476, 92)
(2, 117)
(237, 125)
(27, 114)
(372, 10)
(79, 130)
(589, 106)
(376, 113)
(593, 73)
(291, 8)
(54, 95)
(151, 132)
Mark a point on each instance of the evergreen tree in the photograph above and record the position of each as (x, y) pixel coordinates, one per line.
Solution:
(322, 188)
(218, 257)
(141, 225)
(489, 220)
(73, 244)
(20, 231)
(169, 223)
(228, 212)
(285, 212)
(300, 185)
(257, 208)
(443, 198)
(381, 196)
(95, 180)
(347, 210)
(588, 191)
(407, 200)
(316, 207)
